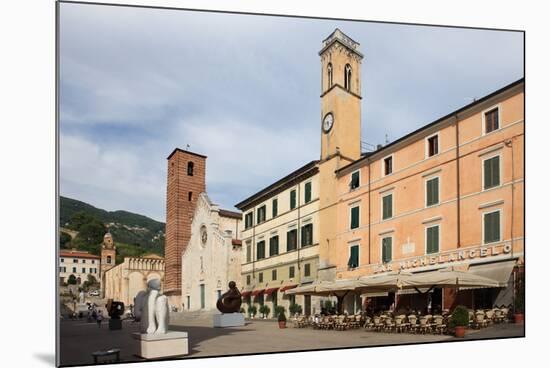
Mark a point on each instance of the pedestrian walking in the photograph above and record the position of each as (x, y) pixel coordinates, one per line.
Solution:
(99, 318)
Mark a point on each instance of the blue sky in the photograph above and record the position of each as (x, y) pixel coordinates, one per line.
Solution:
(243, 90)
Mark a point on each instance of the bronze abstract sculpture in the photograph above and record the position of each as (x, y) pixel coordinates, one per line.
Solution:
(230, 301)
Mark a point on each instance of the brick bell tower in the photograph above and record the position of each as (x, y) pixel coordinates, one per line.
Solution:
(108, 255)
(186, 180)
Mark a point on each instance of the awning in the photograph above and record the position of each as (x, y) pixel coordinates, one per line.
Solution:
(498, 271)
(245, 294)
(447, 278)
(257, 292)
(288, 287)
(270, 290)
(374, 294)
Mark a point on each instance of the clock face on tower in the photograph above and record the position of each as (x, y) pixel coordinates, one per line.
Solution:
(328, 122)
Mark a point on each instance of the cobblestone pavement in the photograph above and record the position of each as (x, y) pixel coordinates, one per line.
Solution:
(79, 338)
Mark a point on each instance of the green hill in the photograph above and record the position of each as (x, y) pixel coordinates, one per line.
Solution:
(138, 231)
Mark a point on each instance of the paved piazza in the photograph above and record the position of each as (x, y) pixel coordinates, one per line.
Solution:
(79, 338)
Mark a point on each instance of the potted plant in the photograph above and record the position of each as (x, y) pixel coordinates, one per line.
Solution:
(264, 310)
(519, 302)
(295, 309)
(281, 318)
(459, 320)
(252, 310)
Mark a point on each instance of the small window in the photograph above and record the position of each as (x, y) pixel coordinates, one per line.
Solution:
(491, 172)
(274, 208)
(291, 272)
(432, 239)
(190, 166)
(248, 220)
(354, 217)
(347, 77)
(355, 180)
(491, 227)
(108, 259)
(291, 240)
(74, 269)
(307, 235)
(248, 279)
(62, 260)
(307, 270)
(307, 194)
(386, 249)
(261, 214)
(190, 196)
(491, 120)
(75, 260)
(388, 165)
(261, 277)
(353, 261)
(93, 260)
(274, 245)
(329, 74)
(433, 145)
(260, 250)
(292, 199)
(83, 269)
(387, 207)
(274, 275)
(432, 192)
(83, 261)
(248, 252)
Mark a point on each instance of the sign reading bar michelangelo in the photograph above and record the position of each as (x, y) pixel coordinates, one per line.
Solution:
(455, 256)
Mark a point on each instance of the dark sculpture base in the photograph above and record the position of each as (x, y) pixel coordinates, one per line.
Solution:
(115, 324)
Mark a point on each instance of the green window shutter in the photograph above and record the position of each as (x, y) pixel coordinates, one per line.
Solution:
(487, 173)
(292, 199)
(274, 208)
(432, 241)
(307, 192)
(432, 192)
(355, 183)
(387, 206)
(495, 170)
(492, 227)
(386, 250)
(354, 256)
(354, 218)
(491, 172)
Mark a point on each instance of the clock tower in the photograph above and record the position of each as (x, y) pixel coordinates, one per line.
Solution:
(340, 97)
(340, 134)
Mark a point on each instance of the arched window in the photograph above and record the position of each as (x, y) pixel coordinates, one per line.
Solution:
(329, 74)
(108, 259)
(190, 168)
(347, 77)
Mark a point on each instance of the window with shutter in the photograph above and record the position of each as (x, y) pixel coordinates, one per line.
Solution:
(354, 217)
(291, 272)
(432, 239)
(307, 235)
(388, 165)
(433, 145)
(274, 246)
(491, 172)
(386, 249)
(260, 251)
(274, 208)
(491, 120)
(307, 194)
(353, 260)
(261, 277)
(274, 275)
(491, 227)
(355, 180)
(248, 252)
(292, 199)
(387, 206)
(307, 270)
(432, 192)
(291, 240)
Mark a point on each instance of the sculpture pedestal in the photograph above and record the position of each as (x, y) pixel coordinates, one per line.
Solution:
(170, 344)
(228, 320)
(115, 324)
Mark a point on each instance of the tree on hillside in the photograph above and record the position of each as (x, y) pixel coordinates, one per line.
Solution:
(64, 240)
(80, 219)
(90, 236)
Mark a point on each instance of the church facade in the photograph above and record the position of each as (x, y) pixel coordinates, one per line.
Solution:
(212, 258)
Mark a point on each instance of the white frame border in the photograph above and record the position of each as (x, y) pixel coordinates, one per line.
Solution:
(427, 145)
(488, 157)
(483, 213)
(426, 227)
(499, 112)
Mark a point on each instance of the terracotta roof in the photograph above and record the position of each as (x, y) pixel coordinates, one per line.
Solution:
(189, 152)
(232, 214)
(77, 254)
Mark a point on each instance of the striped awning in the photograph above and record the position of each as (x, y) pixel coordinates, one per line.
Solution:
(246, 294)
(270, 290)
(288, 287)
(257, 292)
